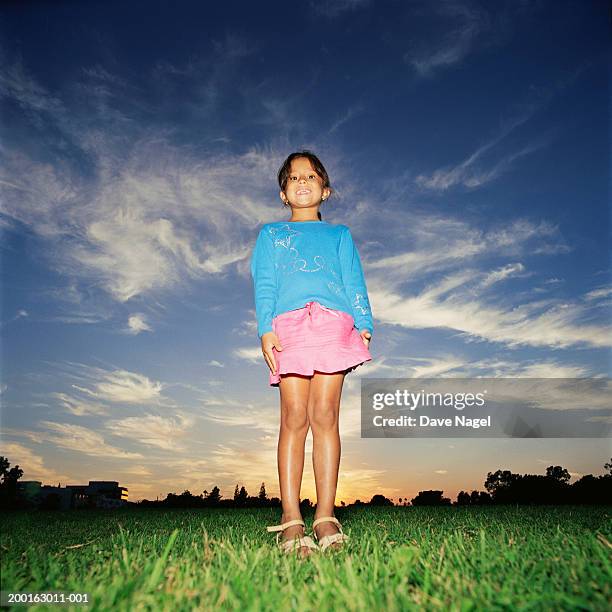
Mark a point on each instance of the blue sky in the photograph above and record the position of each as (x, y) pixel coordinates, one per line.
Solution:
(468, 145)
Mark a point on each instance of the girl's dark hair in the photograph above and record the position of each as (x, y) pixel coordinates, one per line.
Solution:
(315, 162)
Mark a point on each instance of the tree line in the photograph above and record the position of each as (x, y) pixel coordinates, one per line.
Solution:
(502, 487)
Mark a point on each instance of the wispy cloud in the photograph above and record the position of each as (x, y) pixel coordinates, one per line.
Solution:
(351, 112)
(79, 439)
(216, 364)
(250, 354)
(153, 430)
(476, 170)
(444, 243)
(78, 406)
(121, 386)
(462, 24)
(137, 324)
(468, 174)
(33, 465)
(507, 271)
(154, 216)
(449, 304)
(455, 29)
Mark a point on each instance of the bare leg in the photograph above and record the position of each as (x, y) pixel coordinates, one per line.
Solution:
(323, 412)
(293, 429)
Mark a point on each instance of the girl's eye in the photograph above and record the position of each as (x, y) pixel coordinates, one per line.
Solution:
(310, 176)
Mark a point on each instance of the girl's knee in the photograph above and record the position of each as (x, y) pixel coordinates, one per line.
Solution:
(294, 416)
(323, 416)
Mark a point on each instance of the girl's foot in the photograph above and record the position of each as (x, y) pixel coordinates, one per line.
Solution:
(296, 531)
(325, 529)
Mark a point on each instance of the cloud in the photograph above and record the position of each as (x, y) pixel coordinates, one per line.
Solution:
(78, 406)
(83, 440)
(452, 30)
(452, 44)
(351, 112)
(597, 294)
(468, 175)
(442, 244)
(475, 171)
(448, 304)
(252, 355)
(32, 464)
(153, 216)
(120, 386)
(32, 97)
(156, 224)
(460, 298)
(137, 323)
(502, 273)
(457, 366)
(153, 430)
(235, 413)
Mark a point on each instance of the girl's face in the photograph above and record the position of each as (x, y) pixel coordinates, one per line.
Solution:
(304, 187)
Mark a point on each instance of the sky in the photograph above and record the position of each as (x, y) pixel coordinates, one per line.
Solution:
(468, 146)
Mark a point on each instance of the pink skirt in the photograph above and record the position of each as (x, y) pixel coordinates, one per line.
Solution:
(316, 338)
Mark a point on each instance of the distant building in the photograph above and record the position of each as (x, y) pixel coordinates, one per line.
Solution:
(107, 493)
(97, 494)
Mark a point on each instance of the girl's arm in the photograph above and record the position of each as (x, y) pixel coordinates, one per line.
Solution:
(354, 282)
(264, 281)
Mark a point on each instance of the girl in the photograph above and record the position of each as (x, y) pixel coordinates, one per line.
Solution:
(315, 324)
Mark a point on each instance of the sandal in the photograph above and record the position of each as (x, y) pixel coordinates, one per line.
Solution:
(293, 544)
(328, 540)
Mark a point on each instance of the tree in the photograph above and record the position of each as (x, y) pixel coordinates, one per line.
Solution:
(430, 498)
(236, 493)
(263, 496)
(4, 466)
(463, 498)
(499, 480)
(558, 473)
(8, 486)
(608, 467)
(305, 504)
(380, 500)
(214, 497)
(242, 497)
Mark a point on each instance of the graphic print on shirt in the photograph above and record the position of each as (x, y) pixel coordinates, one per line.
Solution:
(361, 303)
(295, 263)
(283, 235)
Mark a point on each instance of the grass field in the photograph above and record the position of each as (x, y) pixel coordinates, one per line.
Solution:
(453, 558)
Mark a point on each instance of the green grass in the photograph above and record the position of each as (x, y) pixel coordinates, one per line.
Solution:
(493, 558)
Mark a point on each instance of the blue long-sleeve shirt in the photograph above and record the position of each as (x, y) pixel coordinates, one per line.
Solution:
(296, 262)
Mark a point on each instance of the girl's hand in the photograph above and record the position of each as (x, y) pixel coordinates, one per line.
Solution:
(269, 341)
(365, 336)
